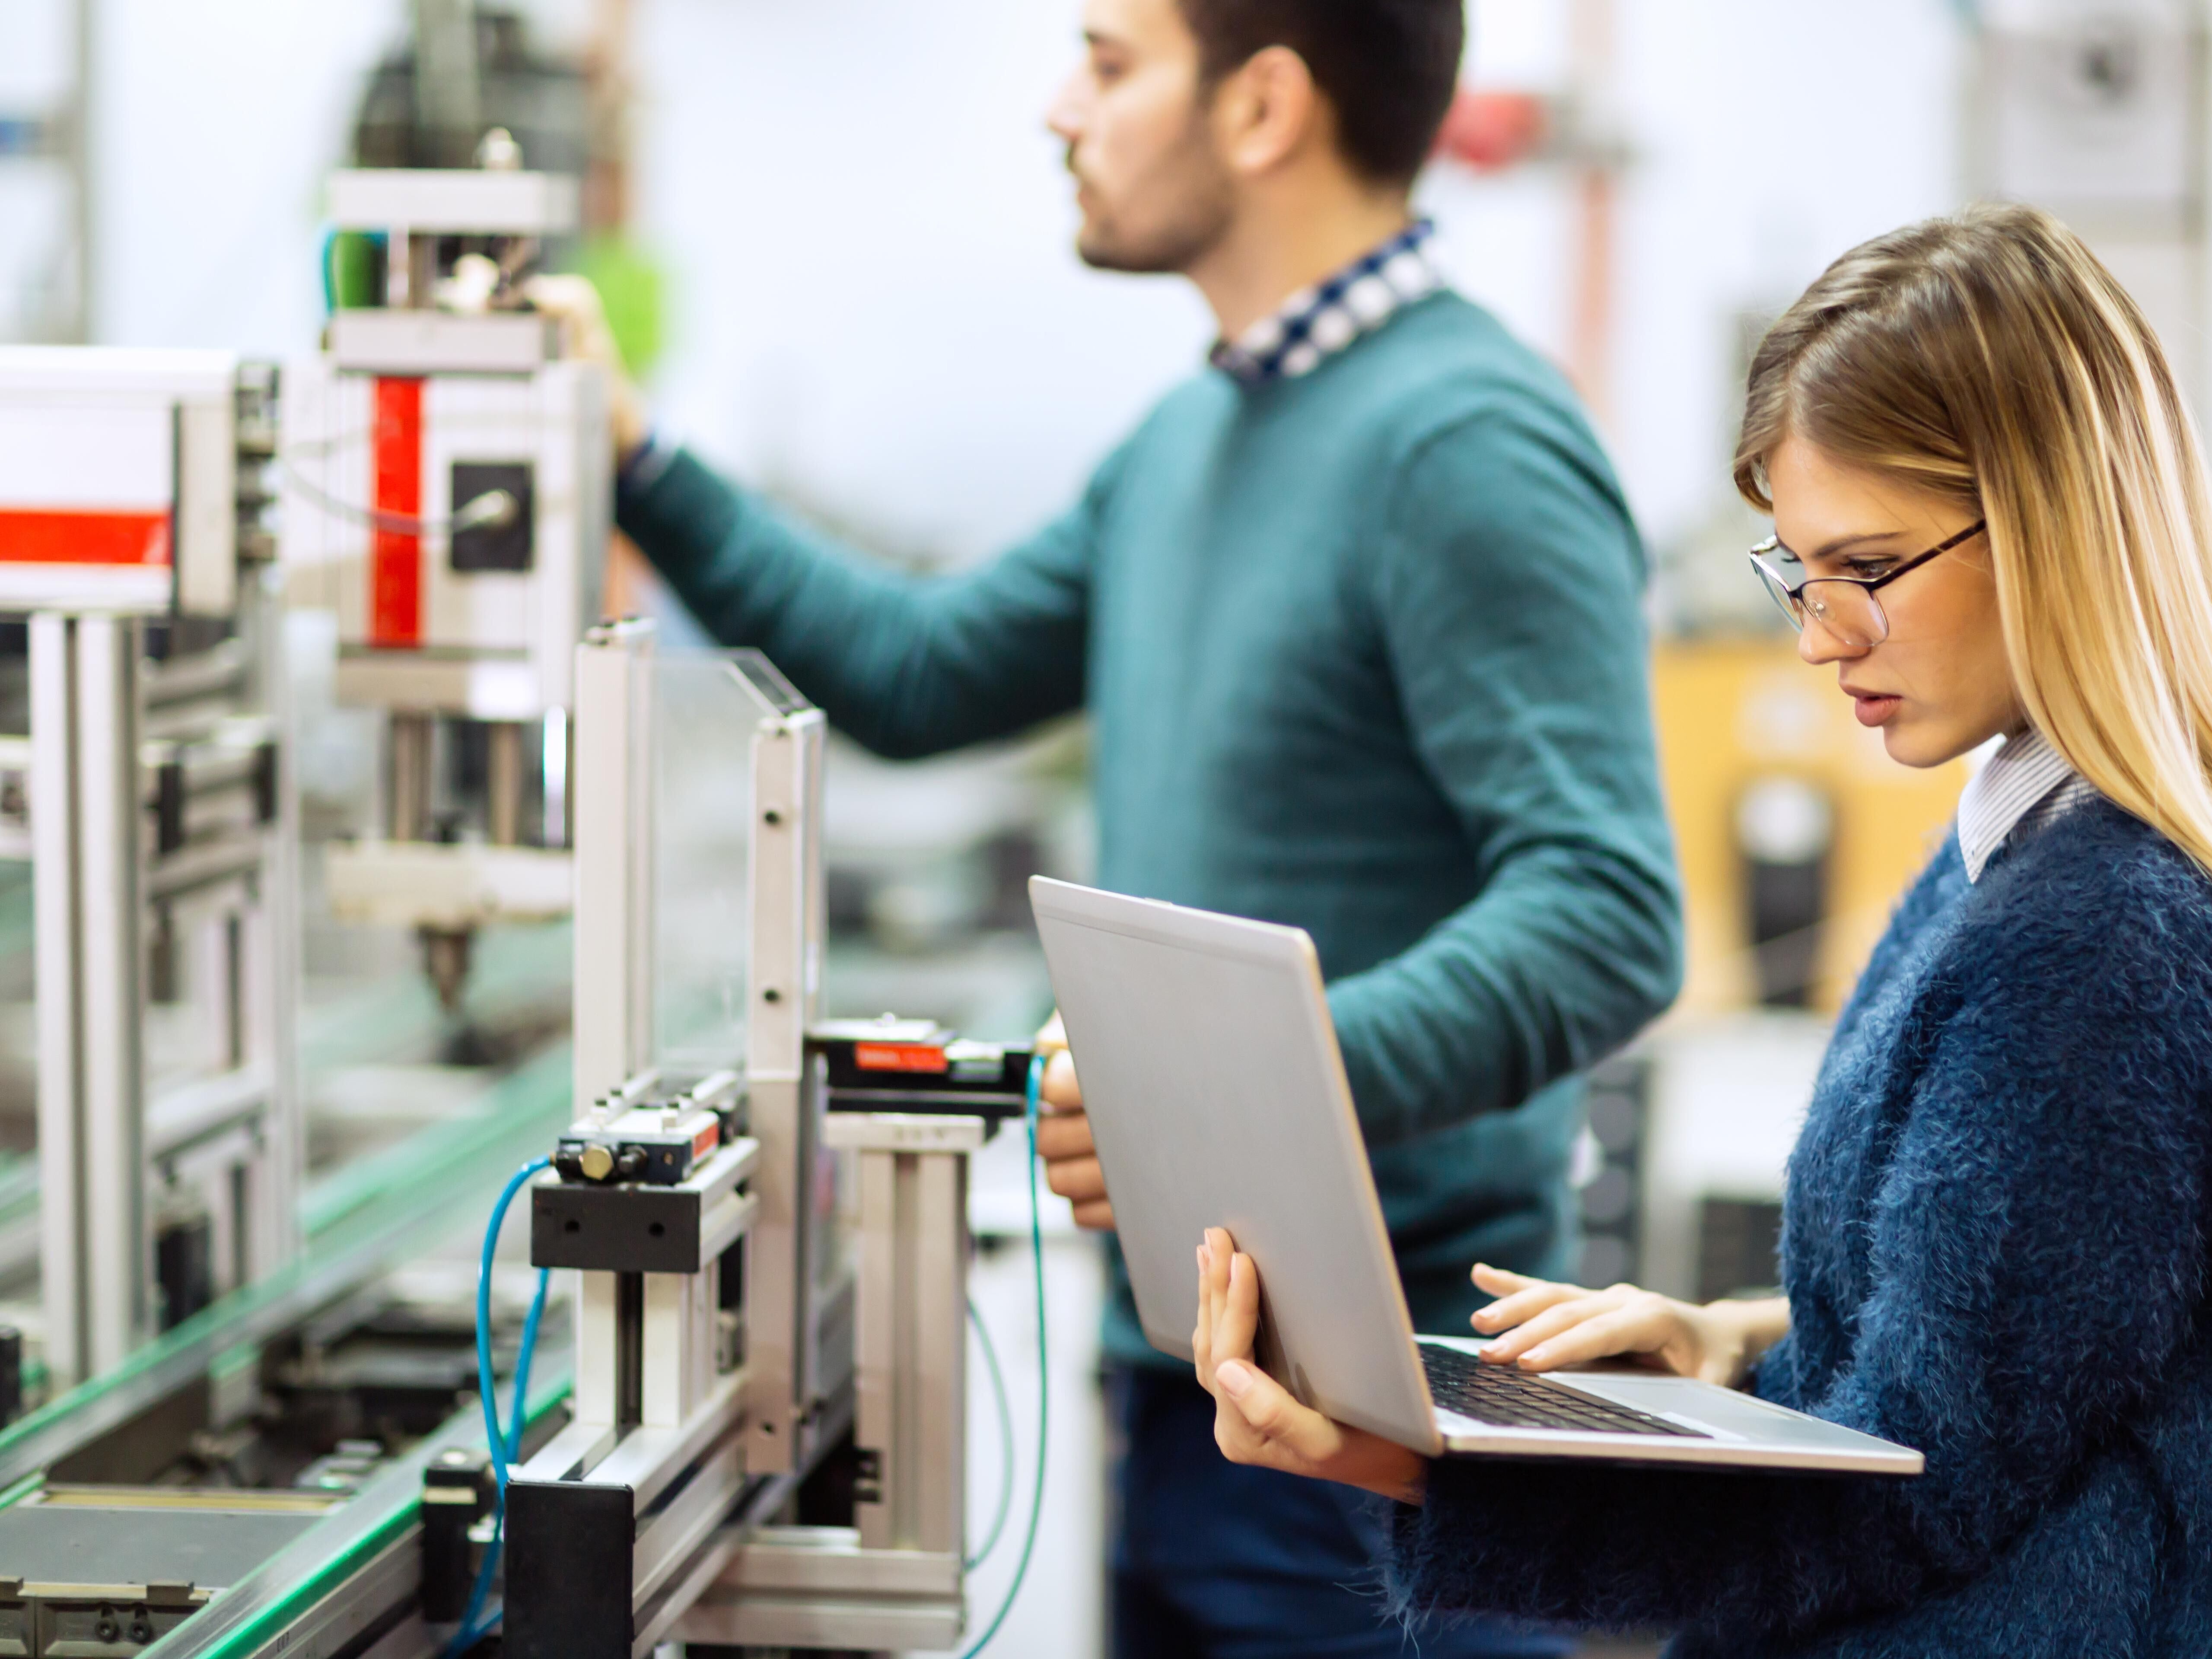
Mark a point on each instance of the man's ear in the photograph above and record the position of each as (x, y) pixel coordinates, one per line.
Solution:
(1267, 111)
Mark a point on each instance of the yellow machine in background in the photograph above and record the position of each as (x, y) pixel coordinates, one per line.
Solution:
(1783, 805)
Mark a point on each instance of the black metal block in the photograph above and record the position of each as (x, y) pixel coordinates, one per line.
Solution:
(457, 1490)
(569, 1555)
(507, 546)
(620, 1229)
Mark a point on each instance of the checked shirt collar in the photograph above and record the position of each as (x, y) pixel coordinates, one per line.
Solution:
(1316, 323)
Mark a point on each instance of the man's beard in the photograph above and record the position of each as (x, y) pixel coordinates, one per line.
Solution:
(1183, 207)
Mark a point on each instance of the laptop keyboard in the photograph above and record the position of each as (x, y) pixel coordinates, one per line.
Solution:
(1499, 1395)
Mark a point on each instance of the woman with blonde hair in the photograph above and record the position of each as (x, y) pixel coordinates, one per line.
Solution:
(1990, 515)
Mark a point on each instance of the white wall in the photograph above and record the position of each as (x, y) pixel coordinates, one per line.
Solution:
(213, 126)
(868, 231)
(878, 308)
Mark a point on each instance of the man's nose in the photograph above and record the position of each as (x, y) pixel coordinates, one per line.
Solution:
(1063, 116)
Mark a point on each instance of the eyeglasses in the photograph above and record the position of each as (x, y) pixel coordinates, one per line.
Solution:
(1845, 605)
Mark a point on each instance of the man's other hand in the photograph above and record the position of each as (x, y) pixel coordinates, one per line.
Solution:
(1071, 1159)
(574, 304)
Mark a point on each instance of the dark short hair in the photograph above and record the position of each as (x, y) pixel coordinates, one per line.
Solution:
(1388, 68)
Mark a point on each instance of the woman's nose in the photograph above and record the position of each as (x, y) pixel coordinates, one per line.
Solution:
(1816, 645)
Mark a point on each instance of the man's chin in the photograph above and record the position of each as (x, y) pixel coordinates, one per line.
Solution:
(1105, 254)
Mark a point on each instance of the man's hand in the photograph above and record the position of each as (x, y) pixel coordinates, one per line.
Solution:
(1070, 1158)
(1255, 1420)
(575, 303)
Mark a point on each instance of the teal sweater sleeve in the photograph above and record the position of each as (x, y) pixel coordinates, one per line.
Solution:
(1508, 594)
(906, 665)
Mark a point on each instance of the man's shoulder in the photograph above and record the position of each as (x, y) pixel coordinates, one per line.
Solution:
(1447, 376)
(1454, 354)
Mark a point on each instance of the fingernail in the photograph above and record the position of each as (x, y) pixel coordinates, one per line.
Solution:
(1233, 1378)
(1483, 1316)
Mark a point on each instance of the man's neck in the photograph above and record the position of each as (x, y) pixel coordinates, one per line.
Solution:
(1270, 254)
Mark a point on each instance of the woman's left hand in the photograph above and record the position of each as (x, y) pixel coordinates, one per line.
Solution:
(1255, 1420)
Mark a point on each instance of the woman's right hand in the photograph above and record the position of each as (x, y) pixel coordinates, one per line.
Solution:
(1541, 1326)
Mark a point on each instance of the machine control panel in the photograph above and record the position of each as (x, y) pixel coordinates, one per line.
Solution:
(648, 1146)
(917, 1066)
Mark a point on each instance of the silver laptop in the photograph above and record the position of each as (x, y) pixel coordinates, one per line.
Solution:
(1217, 1097)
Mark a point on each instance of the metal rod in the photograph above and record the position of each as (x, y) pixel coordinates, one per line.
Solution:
(504, 781)
(54, 933)
(109, 787)
(412, 746)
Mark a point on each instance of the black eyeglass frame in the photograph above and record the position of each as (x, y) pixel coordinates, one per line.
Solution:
(1791, 600)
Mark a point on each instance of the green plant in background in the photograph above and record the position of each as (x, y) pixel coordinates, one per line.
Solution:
(633, 291)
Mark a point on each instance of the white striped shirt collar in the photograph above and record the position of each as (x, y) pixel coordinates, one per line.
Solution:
(1316, 323)
(2026, 780)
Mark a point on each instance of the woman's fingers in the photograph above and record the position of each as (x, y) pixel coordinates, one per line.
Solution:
(1237, 1317)
(1560, 1317)
(1523, 1305)
(1617, 1331)
(1498, 1282)
(1301, 1439)
(1206, 1344)
(1201, 1335)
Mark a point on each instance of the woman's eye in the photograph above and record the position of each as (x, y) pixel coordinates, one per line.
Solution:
(1868, 570)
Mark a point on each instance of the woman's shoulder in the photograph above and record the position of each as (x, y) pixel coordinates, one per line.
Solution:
(2095, 896)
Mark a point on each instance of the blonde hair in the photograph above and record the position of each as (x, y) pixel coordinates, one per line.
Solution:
(1991, 359)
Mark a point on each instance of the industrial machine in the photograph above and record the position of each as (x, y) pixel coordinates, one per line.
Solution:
(446, 496)
(151, 793)
(771, 1252)
(273, 1426)
(760, 1445)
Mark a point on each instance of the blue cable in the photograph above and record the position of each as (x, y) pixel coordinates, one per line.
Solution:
(505, 1446)
(1005, 1415)
(1044, 1377)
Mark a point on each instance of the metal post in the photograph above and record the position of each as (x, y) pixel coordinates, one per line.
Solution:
(271, 972)
(413, 743)
(111, 921)
(503, 783)
(613, 810)
(53, 877)
(911, 1387)
(787, 909)
(611, 1030)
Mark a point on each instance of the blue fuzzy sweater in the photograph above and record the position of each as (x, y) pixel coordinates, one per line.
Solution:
(1994, 1246)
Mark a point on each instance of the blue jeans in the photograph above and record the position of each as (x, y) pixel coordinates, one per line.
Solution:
(1212, 1560)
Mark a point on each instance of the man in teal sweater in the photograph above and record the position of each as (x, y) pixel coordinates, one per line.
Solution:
(1356, 615)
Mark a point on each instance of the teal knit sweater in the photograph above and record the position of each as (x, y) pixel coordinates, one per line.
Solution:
(1362, 653)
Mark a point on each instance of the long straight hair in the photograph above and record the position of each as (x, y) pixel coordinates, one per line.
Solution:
(1991, 359)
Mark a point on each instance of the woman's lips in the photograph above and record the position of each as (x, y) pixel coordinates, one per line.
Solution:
(1873, 710)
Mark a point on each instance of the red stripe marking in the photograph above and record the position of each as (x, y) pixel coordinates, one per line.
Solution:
(900, 1057)
(84, 537)
(395, 563)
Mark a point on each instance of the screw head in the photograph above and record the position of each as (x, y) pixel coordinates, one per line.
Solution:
(772, 817)
(771, 995)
